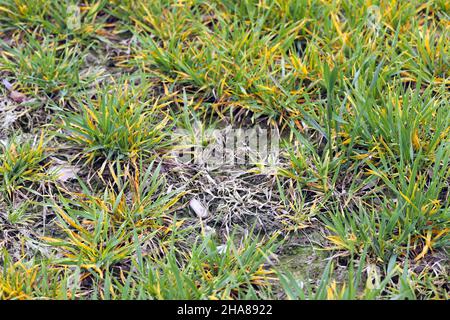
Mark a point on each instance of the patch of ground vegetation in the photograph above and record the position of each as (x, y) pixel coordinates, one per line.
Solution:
(94, 204)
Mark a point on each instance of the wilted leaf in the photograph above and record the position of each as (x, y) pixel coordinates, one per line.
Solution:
(18, 97)
(198, 208)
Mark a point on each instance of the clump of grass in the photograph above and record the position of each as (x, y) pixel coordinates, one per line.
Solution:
(363, 281)
(104, 231)
(22, 164)
(405, 165)
(30, 279)
(208, 271)
(16, 13)
(118, 123)
(44, 67)
(76, 21)
(384, 186)
(226, 61)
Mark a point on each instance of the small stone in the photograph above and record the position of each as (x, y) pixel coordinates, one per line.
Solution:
(198, 208)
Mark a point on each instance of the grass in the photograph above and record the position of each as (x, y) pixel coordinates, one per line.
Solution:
(22, 164)
(45, 66)
(108, 92)
(118, 123)
(210, 272)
